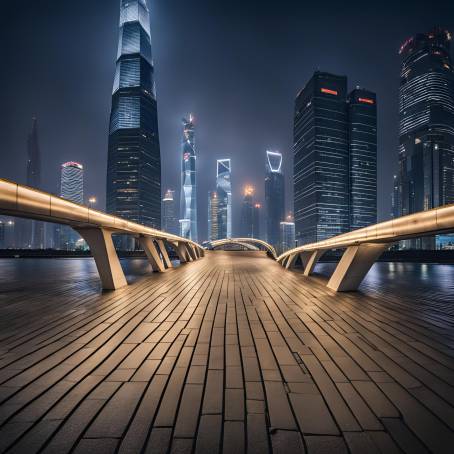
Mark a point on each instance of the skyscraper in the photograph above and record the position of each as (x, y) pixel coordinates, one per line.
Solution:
(169, 213)
(247, 213)
(72, 182)
(71, 188)
(335, 158)
(213, 216)
(426, 131)
(362, 141)
(287, 236)
(134, 162)
(33, 231)
(274, 196)
(188, 221)
(321, 162)
(224, 196)
(256, 216)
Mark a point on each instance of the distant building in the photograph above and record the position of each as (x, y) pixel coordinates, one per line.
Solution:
(247, 213)
(169, 213)
(362, 141)
(426, 131)
(134, 161)
(335, 158)
(224, 196)
(71, 188)
(7, 233)
(213, 216)
(256, 218)
(31, 233)
(287, 236)
(395, 198)
(274, 196)
(188, 222)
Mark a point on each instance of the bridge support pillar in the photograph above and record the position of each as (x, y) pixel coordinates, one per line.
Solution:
(291, 261)
(191, 251)
(312, 261)
(149, 247)
(103, 250)
(164, 254)
(354, 265)
(181, 252)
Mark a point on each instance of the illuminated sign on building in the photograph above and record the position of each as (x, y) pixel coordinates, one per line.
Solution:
(327, 90)
(366, 100)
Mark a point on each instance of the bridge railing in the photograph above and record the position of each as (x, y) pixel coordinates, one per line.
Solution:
(243, 242)
(364, 246)
(96, 228)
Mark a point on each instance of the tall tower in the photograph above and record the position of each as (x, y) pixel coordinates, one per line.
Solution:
(362, 141)
(247, 213)
(213, 216)
(134, 161)
(274, 196)
(169, 215)
(33, 231)
(426, 131)
(188, 221)
(224, 190)
(321, 160)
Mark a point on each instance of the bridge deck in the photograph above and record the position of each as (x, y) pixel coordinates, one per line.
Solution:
(229, 353)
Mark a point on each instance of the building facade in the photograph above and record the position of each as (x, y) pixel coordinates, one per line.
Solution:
(134, 161)
(188, 221)
(274, 196)
(71, 188)
(256, 220)
(224, 196)
(335, 159)
(169, 213)
(426, 130)
(213, 216)
(247, 213)
(362, 141)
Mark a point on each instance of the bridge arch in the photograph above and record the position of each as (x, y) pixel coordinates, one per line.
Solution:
(249, 243)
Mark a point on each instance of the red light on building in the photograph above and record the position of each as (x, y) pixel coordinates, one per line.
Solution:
(366, 100)
(327, 90)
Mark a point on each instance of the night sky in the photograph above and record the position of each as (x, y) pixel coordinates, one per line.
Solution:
(237, 65)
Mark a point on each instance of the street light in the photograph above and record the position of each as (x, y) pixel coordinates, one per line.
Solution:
(91, 201)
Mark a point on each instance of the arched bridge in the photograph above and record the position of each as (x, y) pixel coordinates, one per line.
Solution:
(96, 228)
(247, 243)
(364, 246)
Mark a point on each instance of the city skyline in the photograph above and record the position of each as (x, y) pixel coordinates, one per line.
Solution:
(64, 137)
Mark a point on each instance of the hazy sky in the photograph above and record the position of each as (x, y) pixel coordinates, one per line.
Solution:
(236, 65)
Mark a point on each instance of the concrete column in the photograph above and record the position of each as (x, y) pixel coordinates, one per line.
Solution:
(191, 251)
(354, 265)
(291, 261)
(181, 252)
(165, 255)
(313, 259)
(103, 250)
(154, 258)
(305, 256)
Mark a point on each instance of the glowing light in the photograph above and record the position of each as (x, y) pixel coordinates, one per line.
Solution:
(249, 190)
(73, 164)
(366, 100)
(329, 91)
(92, 200)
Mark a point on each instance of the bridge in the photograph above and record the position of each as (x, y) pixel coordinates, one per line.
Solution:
(364, 246)
(96, 228)
(247, 243)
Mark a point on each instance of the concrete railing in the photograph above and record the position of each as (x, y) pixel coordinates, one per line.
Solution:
(244, 242)
(96, 228)
(364, 246)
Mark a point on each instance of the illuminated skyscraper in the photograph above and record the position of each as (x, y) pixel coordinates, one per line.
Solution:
(321, 161)
(71, 188)
(362, 141)
(274, 196)
(213, 216)
(426, 132)
(287, 236)
(188, 221)
(256, 216)
(224, 191)
(134, 162)
(169, 213)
